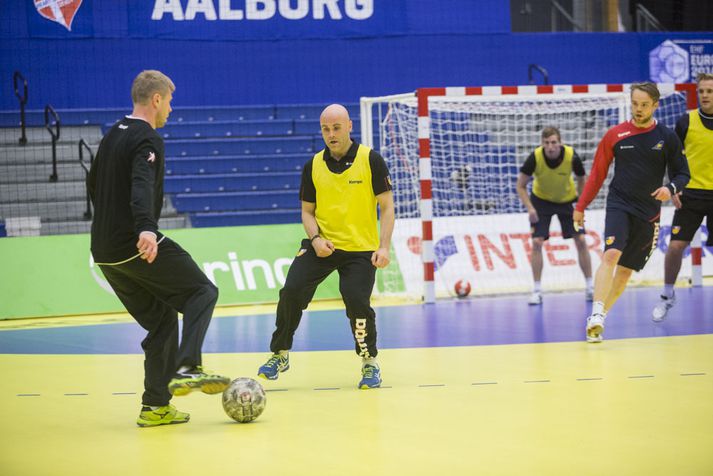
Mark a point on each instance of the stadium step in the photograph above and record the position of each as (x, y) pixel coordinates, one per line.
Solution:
(259, 217)
(236, 201)
(41, 136)
(232, 182)
(235, 164)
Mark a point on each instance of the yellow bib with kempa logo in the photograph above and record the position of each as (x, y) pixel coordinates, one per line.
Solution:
(699, 152)
(554, 185)
(346, 205)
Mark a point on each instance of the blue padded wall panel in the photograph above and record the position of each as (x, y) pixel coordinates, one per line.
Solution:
(88, 73)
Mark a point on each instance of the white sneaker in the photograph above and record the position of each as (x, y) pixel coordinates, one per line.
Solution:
(661, 309)
(535, 299)
(589, 294)
(595, 328)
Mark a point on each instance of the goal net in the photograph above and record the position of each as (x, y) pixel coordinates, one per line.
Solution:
(454, 155)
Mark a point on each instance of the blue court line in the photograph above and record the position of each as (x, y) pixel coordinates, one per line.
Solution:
(482, 321)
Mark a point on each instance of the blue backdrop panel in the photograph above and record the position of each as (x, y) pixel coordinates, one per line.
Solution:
(427, 43)
(251, 19)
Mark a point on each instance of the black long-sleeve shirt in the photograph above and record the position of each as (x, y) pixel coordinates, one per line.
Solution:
(641, 157)
(125, 185)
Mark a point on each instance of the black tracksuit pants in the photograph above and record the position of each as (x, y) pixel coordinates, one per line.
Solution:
(153, 293)
(356, 282)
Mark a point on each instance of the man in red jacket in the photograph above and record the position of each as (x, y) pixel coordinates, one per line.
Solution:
(644, 150)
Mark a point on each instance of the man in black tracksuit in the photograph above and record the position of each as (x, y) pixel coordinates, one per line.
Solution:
(151, 274)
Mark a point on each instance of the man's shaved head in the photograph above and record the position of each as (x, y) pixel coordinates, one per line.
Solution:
(336, 127)
(334, 113)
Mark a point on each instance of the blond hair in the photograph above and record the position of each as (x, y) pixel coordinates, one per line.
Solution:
(649, 88)
(703, 77)
(148, 83)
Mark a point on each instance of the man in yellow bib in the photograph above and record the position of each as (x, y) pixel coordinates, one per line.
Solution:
(553, 192)
(341, 187)
(695, 129)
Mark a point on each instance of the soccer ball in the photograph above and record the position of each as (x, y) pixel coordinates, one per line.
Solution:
(244, 400)
(462, 288)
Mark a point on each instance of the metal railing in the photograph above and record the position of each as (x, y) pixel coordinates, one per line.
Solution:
(55, 137)
(646, 21)
(536, 67)
(23, 100)
(82, 147)
(557, 8)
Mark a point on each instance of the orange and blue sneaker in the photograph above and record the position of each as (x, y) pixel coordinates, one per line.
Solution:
(191, 379)
(271, 369)
(370, 376)
(166, 415)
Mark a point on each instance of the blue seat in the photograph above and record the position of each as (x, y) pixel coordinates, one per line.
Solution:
(311, 127)
(307, 126)
(232, 182)
(235, 164)
(215, 147)
(236, 201)
(67, 117)
(222, 113)
(260, 217)
(221, 129)
(309, 111)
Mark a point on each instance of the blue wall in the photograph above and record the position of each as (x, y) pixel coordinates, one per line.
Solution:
(92, 71)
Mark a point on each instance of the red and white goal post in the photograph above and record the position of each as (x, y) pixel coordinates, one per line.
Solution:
(454, 154)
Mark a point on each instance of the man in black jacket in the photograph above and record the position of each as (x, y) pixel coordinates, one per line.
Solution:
(151, 274)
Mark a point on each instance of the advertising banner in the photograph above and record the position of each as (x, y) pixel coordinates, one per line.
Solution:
(492, 254)
(54, 275)
(219, 20)
(680, 60)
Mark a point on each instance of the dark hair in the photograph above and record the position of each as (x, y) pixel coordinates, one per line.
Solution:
(551, 131)
(649, 88)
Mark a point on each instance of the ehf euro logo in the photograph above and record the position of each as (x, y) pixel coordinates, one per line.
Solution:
(60, 11)
(669, 63)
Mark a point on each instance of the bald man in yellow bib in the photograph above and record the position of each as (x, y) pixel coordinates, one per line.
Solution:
(341, 188)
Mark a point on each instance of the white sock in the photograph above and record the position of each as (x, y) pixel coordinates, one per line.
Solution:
(590, 283)
(598, 308)
(370, 361)
(668, 290)
(183, 368)
(283, 353)
(538, 286)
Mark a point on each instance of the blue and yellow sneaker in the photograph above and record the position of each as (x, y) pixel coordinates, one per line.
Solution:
(271, 369)
(371, 376)
(196, 378)
(167, 415)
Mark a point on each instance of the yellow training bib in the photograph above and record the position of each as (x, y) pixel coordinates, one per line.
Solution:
(346, 205)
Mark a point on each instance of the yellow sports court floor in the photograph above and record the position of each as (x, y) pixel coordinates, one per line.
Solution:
(482, 386)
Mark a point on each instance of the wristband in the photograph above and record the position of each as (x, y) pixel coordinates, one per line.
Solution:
(313, 238)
